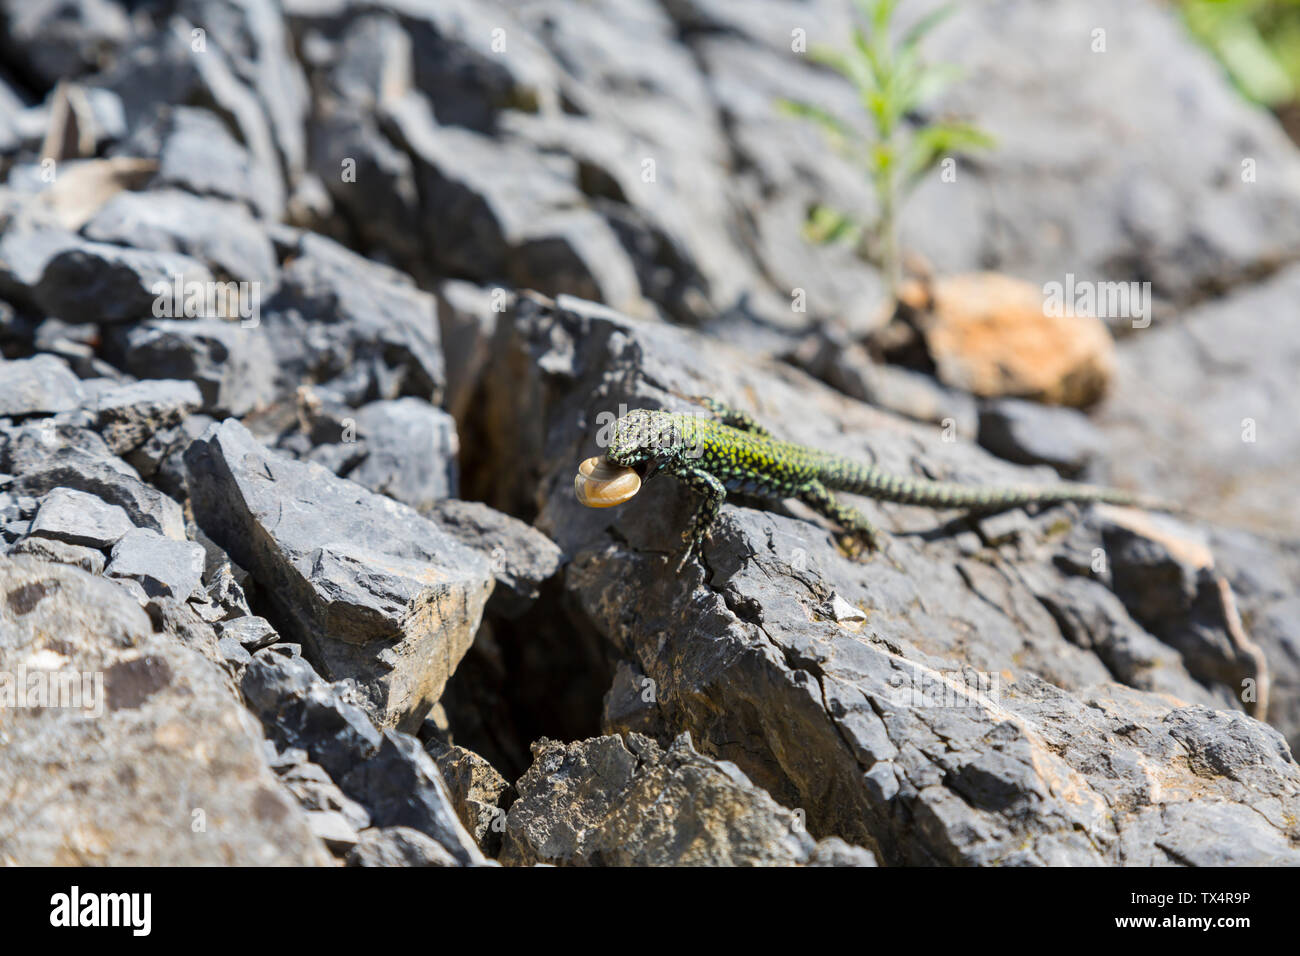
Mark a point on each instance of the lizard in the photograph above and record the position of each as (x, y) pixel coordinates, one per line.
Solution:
(730, 452)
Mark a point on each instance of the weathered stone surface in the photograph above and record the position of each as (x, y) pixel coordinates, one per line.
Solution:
(60, 552)
(98, 282)
(1032, 434)
(37, 386)
(228, 361)
(231, 242)
(398, 846)
(170, 747)
(163, 567)
(129, 415)
(374, 591)
(522, 557)
(76, 517)
(604, 802)
(476, 790)
(934, 723)
(410, 451)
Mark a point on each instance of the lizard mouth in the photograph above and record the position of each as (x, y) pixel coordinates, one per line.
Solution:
(600, 483)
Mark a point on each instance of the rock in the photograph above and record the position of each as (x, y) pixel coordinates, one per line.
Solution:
(522, 557)
(98, 282)
(1032, 434)
(76, 517)
(162, 566)
(410, 451)
(228, 362)
(54, 40)
(170, 773)
(476, 790)
(250, 632)
(400, 786)
(602, 802)
(231, 243)
(129, 415)
(316, 791)
(952, 720)
(333, 829)
(468, 317)
(299, 710)
(48, 455)
(374, 591)
(337, 314)
(398, 846)
(60, 552)
(1204, 409)
(41, 385)
(990, 334)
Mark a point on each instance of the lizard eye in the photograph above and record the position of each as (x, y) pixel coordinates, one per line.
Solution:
(600, 483)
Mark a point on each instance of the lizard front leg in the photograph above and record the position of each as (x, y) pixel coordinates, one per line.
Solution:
(712, 494)
(853, 521)
(733, 417)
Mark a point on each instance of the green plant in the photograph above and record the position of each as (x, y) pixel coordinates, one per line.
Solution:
(892, 83)
(1257, 41)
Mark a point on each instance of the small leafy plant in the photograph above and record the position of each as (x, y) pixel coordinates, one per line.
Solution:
(892, 83)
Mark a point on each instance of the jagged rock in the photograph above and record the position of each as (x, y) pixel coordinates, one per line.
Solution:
(337, 314)
(171, 772)
(374, 591)
(398, 846)
(231, 242)
(99, 282)
(410, 451)
(522, 557)
(400, 786)
(250, 632)
(129, 415)
(604, 802)
(476, 790)
(60, 552)
(48, 454)
(37, 386)
(227, 360)
(162, 566)
(55, 39)
(76, 517)
(1032, 434)
(930, 727)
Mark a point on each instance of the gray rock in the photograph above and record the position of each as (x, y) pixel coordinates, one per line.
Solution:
(398, 846)
(604, 802)
(522, 557)
(129, 415)
(374, 591)
(299, 710)
(48, 454)
(162, 566)
(1032, 434)
(230, 363)
(231, 243)
(952, 721)
(410, 451)
(336, 314)
(170, 773)
(400, 786)
(98, 282)
(60, 552)
(25, 250)
(55, 40)
(476, 790)
(468, 316)
(76, 517)
(333, 829)
(316, 791)
(252, 633)
(41, 385)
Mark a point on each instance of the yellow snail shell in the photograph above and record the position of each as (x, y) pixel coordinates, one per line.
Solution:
(601, 484)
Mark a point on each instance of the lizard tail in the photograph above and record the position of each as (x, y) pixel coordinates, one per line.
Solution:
(883, 486)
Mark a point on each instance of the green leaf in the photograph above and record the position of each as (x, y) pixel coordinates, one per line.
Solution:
(825, 225)
(913, 37)
(830, 124)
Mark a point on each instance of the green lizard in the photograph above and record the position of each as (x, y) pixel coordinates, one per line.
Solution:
(730, 452)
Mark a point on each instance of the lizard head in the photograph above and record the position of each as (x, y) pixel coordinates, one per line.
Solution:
(639, 442)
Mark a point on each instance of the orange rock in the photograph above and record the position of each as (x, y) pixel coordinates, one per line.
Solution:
(989, 334)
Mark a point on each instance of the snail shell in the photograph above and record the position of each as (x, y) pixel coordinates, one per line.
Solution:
(601, 484)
